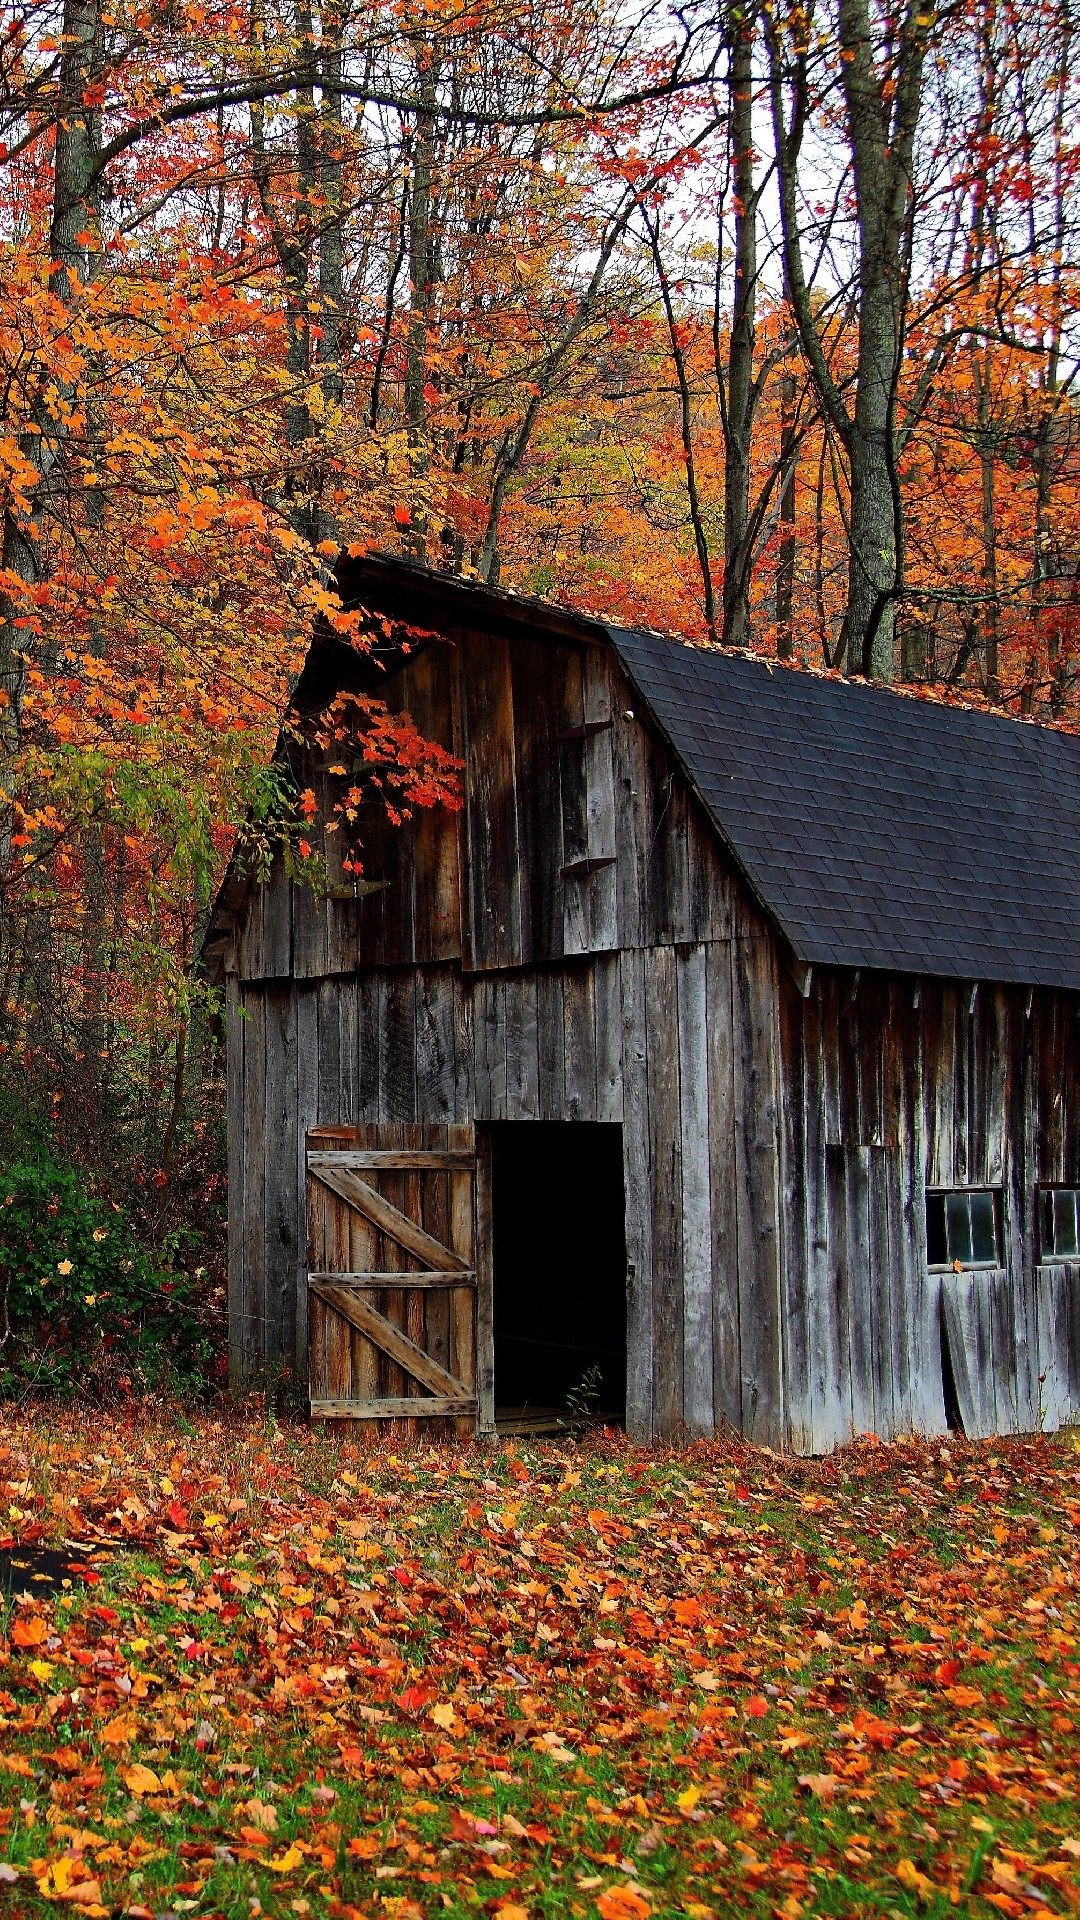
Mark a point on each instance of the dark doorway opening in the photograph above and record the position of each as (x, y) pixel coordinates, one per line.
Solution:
(560, 1272)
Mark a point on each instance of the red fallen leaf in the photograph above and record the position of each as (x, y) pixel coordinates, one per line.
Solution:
(176, 1516)
(947, 1672)
(402, 514)
(414, 1698)
(110, 1618)
(757, 1707)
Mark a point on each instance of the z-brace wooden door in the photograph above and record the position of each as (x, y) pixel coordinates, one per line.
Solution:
(392, 1285)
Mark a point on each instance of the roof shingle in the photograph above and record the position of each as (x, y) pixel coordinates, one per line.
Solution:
(879, 830)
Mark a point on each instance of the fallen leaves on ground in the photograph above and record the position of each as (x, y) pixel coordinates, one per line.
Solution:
(309, 1675)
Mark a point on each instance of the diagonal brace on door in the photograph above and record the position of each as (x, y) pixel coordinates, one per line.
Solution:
(389, 1219)
(395, 1344)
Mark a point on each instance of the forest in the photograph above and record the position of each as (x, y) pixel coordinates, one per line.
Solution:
(752, 322)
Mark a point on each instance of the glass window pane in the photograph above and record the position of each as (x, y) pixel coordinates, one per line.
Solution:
(983, 1228)
(958, 1219)
(1064, 1240)
(937, 1248)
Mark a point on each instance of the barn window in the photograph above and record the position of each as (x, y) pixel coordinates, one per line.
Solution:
(962, 1225)
(1059, 1238)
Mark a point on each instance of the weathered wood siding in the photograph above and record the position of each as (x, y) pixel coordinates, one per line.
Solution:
(891, 1087)
(647, 1039)
(576, 945)
(585, 843)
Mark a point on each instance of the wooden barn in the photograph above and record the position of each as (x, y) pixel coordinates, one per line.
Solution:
(715, 1065)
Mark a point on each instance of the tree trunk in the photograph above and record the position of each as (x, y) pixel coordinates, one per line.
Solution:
(420, 299)
(873, 555)
(738, 542)
(785, 564)
(74, 247)
(882, 102)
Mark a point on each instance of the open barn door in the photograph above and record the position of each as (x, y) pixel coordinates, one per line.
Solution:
(392, 1280)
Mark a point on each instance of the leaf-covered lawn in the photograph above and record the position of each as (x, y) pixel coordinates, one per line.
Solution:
(317, 1678)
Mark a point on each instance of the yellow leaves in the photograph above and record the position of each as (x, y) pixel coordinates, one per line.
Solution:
(140, 1780)
(288, 1861)
(443, 1715)
(859, 1617)
(42, 1669)
(688, 1799)
(915, 1882)
(68, 1880)
(791, 1739)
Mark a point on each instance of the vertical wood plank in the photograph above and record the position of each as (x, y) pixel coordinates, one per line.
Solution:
(312, 1004)
(397, 1046)
(255, 1348)
(640, 1416)
(280, 1198)
(798, 1410)
(628, 754)
(462, 1000)
(522, 1058)
(435, 1045)
(607, 1007)
(830, 1406)
(485, 1286)
(463, 1300)
(238, 1149)
(277, 925)
(723, 1189)
(491, 827)
(551, 1044)
(665, 1162)
(579, 1040)
(537, 672)
(757, 1170)
(574, 807)
(857, 1249)
(696, 1198)
(597, 698)
(368, 1005)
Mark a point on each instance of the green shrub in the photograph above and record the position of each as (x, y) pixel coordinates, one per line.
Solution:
(84, 1308)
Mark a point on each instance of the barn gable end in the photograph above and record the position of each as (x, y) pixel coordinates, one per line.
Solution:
(585, 944)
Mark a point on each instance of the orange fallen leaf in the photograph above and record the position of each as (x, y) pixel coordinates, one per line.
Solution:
(29, 1632)
(139, 1779)
(623, 1903)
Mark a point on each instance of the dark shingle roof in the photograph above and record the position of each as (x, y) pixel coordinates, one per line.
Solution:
(877, 829)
